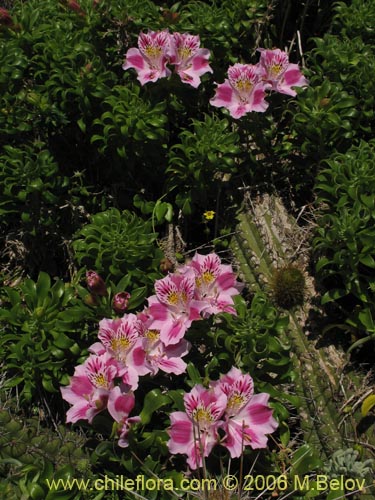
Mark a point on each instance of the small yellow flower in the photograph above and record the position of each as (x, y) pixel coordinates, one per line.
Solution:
(209, 215)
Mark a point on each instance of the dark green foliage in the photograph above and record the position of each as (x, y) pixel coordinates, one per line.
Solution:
(198, 163)
(254, 339)
(227, 28)
(351, 63)
(32, 186)
(130, 125)
(41, 333)
(325, 119)
(288, 286)
(344, 244)
(355, 18)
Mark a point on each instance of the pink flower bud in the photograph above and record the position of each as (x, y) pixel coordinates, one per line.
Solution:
(120, 302)
(73, 5)
(96, 284)
(5, 17)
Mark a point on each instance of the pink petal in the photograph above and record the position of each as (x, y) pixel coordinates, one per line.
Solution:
(120, 404)
(80, 411)
(181, 433)
(223, 96)
(134, 59)
(172, 365)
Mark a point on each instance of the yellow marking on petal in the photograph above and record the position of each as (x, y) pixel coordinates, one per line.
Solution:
(202, 416)
(152, 334)
(243, 85)
(100, 380)
(173, 298)
(153, 52)
(208, 277)
(120, 344)
(235, 401)
(184, 52)
(275, 70)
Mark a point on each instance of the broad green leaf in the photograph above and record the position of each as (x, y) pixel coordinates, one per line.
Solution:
(154, 400)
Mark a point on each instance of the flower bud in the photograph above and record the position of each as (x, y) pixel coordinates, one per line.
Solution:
(75, 6)
(96, 284)
(165, 265)
(120, 302)
(5, 17)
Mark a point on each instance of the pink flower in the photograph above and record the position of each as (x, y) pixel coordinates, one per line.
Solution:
(121, 339)
(159, 356)
(151, 57)
(248, 416)
(195, 432)
(215, 283)
(190, 61)
(173, 308)
(279, 72)
(242, 92)
(120, 404)
(89, 387)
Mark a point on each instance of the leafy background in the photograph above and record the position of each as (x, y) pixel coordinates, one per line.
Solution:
(99, 173)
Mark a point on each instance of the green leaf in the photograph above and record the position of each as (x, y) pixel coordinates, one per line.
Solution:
(42, 286)
(304, 461)
(153, 401)
(194, 373)
(368, 404)
(62, 341)
(137, 297)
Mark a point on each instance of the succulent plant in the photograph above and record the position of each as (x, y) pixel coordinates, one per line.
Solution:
(31, 454)
(346, 463)
(115, 242)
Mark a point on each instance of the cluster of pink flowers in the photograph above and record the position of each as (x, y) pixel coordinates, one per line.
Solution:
(153, 340)
(243, 91)
(246, 86)
(228, 404)
(157, 49)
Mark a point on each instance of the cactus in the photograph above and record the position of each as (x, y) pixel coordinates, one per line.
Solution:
(267, 242)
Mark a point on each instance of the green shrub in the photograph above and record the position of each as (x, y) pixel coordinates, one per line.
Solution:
(356, 18)
(254, 339)
(41, 334)
(32, 186)
(130, 125)
(325, 120)
(344, 249)
(198, 163)
(351, 63)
